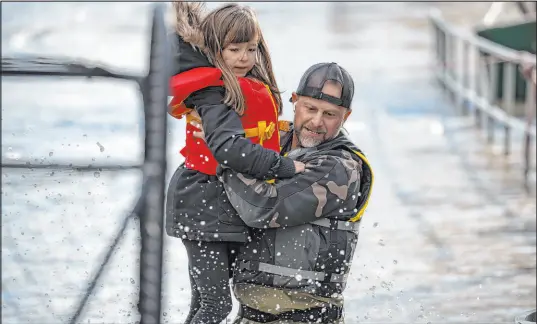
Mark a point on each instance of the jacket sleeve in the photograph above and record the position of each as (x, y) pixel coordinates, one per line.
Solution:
(186, 57)
(226, 139)
(329, 185)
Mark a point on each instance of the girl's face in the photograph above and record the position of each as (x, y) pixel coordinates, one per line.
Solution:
(240, 57)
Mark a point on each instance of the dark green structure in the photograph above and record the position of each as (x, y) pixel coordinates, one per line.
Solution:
(518, 36)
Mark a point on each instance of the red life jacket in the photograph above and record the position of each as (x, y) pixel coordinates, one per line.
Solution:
(260, 119)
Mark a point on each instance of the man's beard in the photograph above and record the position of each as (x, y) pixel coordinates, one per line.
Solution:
(309, 141)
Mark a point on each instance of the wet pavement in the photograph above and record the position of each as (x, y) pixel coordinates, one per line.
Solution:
(449, 235)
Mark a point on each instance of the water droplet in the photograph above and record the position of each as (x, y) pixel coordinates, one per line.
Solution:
(375, 224)
(96, 174)
(50, 153)
(132, 281)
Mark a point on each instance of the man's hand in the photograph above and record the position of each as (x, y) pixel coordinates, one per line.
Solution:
(299, 167)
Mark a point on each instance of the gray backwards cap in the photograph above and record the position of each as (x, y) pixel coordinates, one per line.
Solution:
(312, 82)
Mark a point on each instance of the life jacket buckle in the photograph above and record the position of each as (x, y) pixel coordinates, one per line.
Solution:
(268, 131)
(262, 131)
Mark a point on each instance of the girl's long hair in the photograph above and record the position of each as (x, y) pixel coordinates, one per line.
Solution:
(234, 23)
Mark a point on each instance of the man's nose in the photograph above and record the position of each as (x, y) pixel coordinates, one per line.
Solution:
(317, 120)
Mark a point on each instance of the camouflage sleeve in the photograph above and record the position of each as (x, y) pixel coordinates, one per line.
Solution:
(328, 184)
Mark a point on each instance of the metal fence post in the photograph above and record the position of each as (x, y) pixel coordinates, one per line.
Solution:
(459, 95)
(491, 98)
(508, 101)
(530, 115)
(443, 58)
(478, 84)
(465, 70)
(151, 221)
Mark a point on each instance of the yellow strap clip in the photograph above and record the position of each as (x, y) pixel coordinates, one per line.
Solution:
(284, 125)
(262, 131)
(193, 116)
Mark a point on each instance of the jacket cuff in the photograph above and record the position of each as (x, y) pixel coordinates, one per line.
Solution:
(286, 168)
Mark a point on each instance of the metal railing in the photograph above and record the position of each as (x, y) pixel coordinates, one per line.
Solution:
(150, 205)
(467, 66)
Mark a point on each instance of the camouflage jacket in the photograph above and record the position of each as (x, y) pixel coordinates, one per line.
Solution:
(305, 228)
(336, 185)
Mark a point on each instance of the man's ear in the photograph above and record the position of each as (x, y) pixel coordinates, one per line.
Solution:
(294, 97)
(347, 114)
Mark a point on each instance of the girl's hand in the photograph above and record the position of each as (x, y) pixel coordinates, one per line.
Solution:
(200, 134)
(194, 114)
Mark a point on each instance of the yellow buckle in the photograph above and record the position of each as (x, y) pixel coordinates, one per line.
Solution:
(191, 117)
(262, 131)
(284, 125)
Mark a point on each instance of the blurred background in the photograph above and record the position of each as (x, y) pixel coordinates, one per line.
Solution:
(449, 235)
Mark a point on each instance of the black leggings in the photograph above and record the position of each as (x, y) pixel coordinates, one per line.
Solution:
(210, 266)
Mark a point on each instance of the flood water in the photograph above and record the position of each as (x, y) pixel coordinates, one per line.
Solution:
(449, 235)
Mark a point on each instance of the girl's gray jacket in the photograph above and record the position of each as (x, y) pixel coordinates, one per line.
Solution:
(197, 206)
